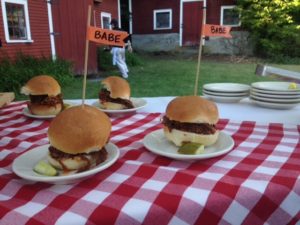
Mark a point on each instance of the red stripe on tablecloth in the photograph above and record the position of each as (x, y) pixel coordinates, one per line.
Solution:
(4, 109)
(283, 179)
(22, 196)
(120, 196)
(172, 193)
(11, 118)
(223, 186)
(227, 190)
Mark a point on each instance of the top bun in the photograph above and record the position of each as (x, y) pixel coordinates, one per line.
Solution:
(41, 85)
(79, 129)
(118, 87)
(192, 109)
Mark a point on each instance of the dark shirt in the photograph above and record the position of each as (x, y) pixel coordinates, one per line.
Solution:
(125, 39)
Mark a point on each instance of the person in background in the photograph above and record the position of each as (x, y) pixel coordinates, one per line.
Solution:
(118, 53)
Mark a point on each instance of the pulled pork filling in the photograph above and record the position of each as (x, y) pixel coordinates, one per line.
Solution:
(97, 157)
(198, 128)
(46, 100)
(104, 96)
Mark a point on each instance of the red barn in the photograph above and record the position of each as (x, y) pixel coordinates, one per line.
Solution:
(54, 28)
(164, 25)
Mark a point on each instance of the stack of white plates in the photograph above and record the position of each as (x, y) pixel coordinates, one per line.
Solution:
(226, 92)
(276, 95)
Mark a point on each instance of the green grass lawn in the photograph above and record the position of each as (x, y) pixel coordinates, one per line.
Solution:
(166, 76)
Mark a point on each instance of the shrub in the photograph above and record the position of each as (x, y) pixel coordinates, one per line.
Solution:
(15, 73)
(273, 25)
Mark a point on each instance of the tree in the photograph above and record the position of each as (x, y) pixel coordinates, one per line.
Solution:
(273, 25)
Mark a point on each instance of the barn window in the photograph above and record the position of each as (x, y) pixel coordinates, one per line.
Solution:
(162, 19)
(229, 16)
(105, 20)
(16, 21)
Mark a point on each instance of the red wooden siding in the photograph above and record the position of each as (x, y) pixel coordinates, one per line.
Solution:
(70, 19)
(142, 14)
(39, 26)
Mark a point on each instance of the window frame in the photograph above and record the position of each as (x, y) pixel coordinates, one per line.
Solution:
(102, 15)
(162, 11)
(224, 7)
(27, 22)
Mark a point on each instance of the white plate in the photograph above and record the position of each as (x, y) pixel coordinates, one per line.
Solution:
(290, 93)
(158, 144)
(275, 100)
(277, 96)
(138, 103)
(224, 99)
(273, 105)
(27, 113)
(226, 94)
(24, 164)
(227, 87)
(274, 86)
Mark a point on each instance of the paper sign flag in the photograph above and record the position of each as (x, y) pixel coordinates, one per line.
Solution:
(106, 36)
(216, 30)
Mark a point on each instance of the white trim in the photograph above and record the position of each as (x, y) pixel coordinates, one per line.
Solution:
(51, 31)
(119, 13)
(181, 17)
(222, 14)
(27, 22)
(162, 11)
(104, 14)
(130, 16)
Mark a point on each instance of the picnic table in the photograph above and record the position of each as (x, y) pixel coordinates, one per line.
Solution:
(257, 182)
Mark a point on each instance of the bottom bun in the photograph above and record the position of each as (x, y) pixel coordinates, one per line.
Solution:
(45, 110)
(74, 163)
(178, 137)
(112, 106)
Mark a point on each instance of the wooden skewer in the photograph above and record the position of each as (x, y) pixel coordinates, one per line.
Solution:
(199, 53)
(86, 55)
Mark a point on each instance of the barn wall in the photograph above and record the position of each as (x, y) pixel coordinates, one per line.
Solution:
(39, 25)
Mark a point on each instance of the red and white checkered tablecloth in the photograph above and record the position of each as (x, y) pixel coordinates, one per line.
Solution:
(257, 182)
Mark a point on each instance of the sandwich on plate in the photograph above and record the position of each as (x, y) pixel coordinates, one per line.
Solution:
(77, 137)
(115, 94)
(191, 121)
(45, 96)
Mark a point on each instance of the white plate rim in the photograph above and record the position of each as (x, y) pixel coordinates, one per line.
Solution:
(149, 138)
(27, 113)
(225, 99)
(273, 86)
(273, 105)
(289, 93)
(275, 100)
(134, 100)
(113, 155)
(227, 87)
(277, 96)
(226, 94)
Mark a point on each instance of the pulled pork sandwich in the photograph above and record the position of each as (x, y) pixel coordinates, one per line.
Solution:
(78, 136)
(44, 94)
(115, 94)
(191, 119)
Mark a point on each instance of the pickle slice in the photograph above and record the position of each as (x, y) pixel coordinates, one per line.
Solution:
(191, 148)
(293, 86)
(45, 168)
(66, 106)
